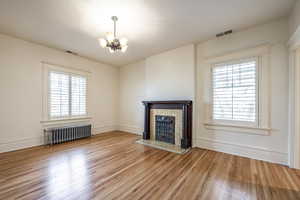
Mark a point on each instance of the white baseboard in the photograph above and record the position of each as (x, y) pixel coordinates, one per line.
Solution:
(230, 148)
(21, 144)
(244, 151)
(131, 129)
(36, 141)
(104, 129)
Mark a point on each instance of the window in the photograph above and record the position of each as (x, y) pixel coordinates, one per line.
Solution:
(66, 95)
(234, 92)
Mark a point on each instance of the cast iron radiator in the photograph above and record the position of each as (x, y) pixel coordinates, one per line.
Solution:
(64, 134)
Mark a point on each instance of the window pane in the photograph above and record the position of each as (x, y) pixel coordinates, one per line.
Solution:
(78, 101)
(59, 95)
(234, 91)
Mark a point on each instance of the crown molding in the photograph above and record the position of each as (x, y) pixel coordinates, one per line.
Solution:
(294, 41)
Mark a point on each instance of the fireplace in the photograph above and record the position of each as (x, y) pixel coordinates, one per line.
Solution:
(168, 124)
(165, 128)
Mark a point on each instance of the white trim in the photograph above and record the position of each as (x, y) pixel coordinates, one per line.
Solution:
(238, 129)
(62, 120)
(103, 129)
(294, 99)
(37, 141)
(131, 129)
(262, 52)
(297, 111)
(294, 41)
(231, 62)
(21, 144)
(244, 150)
(294, 129)
(67, 68)
(257, 51)
(70, 71)
(291, 118)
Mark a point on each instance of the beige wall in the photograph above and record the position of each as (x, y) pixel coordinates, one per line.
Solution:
(165, 76)
(170, 75)
(132, 93)
(273, 147)
(180, 83)
(21, 91)
(176, 74)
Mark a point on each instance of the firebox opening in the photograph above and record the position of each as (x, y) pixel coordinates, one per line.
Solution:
(165, 128)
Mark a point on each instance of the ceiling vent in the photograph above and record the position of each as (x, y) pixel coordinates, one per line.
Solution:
(71, 52)
(224, 33)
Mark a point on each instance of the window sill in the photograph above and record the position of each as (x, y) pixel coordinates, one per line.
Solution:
(65, 120)
(238, 129)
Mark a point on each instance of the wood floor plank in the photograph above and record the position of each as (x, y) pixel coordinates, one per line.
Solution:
(113, 166)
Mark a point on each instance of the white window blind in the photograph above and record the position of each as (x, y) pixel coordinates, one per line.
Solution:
(78, 95)
(234, 88)
(59, 95)
(67, 95)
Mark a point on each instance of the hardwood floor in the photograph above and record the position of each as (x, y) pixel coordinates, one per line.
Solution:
(113, 166)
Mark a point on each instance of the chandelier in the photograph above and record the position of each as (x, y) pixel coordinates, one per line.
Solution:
(112, 42)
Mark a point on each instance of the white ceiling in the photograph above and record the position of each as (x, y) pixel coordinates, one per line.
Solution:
(152, 26)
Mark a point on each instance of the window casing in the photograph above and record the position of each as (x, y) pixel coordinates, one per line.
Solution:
(234, 92)
(67, 95)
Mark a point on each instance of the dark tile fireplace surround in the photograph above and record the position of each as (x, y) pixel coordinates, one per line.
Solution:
(165, 125)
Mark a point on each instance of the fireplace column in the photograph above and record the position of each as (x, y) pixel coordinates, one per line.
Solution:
(146, 133)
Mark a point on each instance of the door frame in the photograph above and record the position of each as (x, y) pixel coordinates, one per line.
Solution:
(294, 107)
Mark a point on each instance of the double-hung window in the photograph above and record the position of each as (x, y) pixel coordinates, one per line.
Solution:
(235, 92)
(67, 95)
